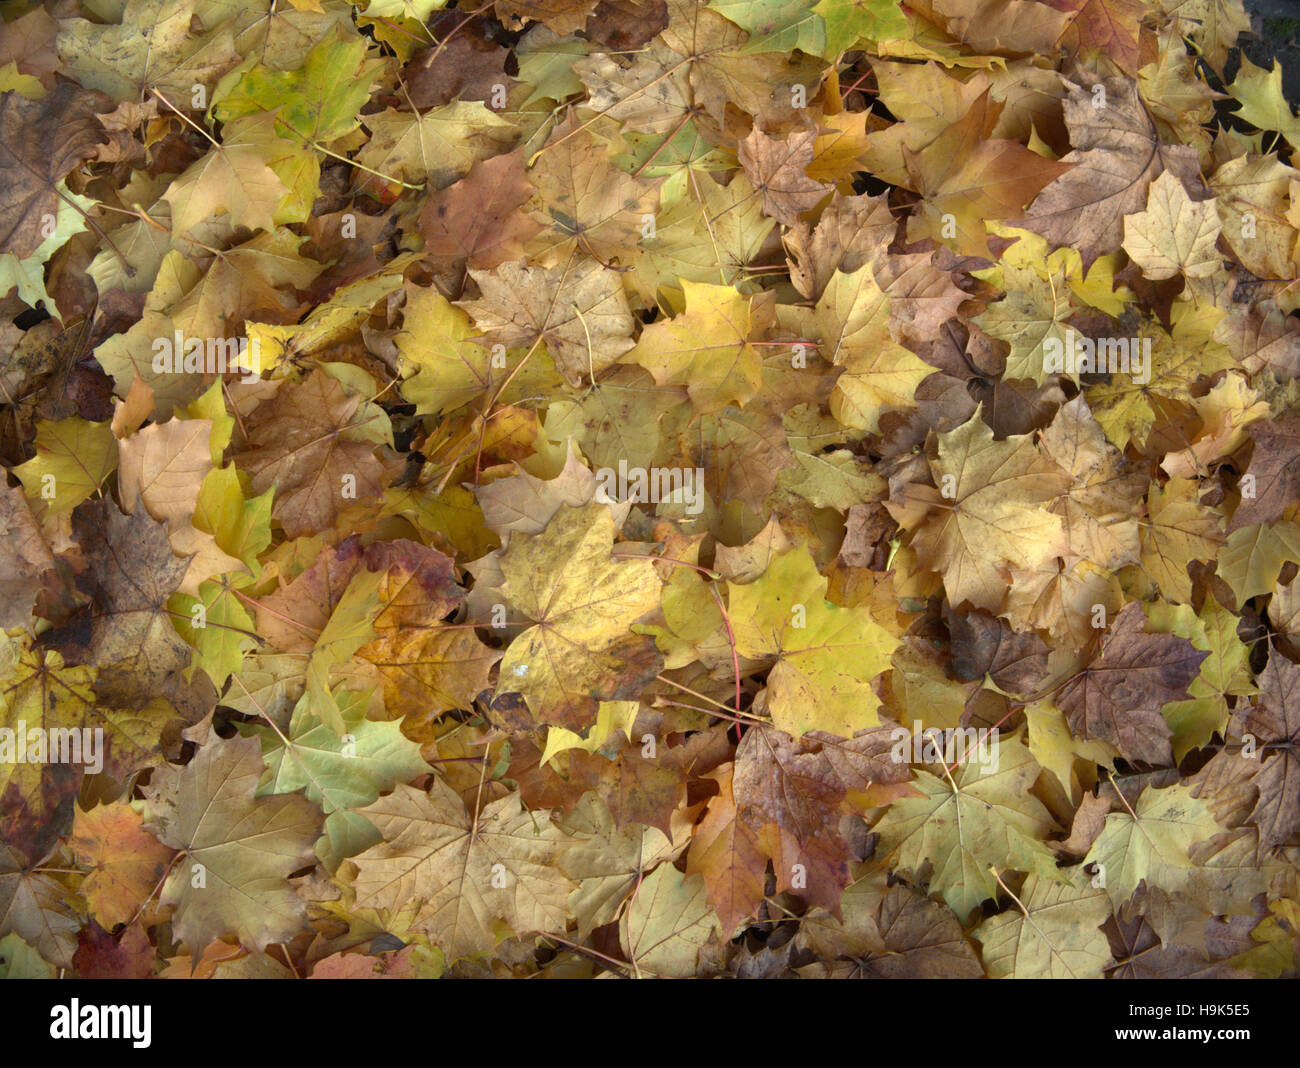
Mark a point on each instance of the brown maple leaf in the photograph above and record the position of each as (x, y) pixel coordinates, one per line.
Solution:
(1273, 718)
(101, 955)
(246, 845)
(1117, 154)
(580, 310)
(478, 219)
(798, 786)
(132, 572)
(461, 67)
(967, 177)
(24, 558)
(1118, 698)
(291, 617)
(40, 142)
(851, 232)
(728, 852)
(777, 170)
(1273, 474)
(1107, 26)
(561, 16)
(306, 443)
(986, 645)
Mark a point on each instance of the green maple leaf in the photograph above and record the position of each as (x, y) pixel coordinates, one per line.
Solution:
(849, 21)
(1057, 936)
(964, 825)
(1153, 843)
(319, 102)
(340, 773)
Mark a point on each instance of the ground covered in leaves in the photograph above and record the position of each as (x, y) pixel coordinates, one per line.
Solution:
(649, 412)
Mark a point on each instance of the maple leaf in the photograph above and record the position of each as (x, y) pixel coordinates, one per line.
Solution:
(150, 48)
(850, 232)
(585, 203)
(124, 861)
(234, 176)
(164, 466)
(980, 815)
(1029, 318)
(139, 654)
(727, 852)
(799, 787)
(306, 444)
(607, 860)
(1056, 935)
(562, 16)
(42, 141)
(475, 218)
(889, 933)
(1272, 720)
(1001, 493)
(460, 873)
(649, 91)
(734, 226)
(1179, 530)
(245, 847)
(848, 21)
(581, 312)
(965, 176)
(1225, 671)
(1119, 697)
(1263, 104)
(1174, 234)
(315, 103)
(1099, 509)
(1117, 153)
(826, 655)
(985, 23)
(1274, 471)
(438, 147)
(707, 348)
(580, 649)
(42, 695)
(722, 72)
(340, 773)
(1152, 843)
(1106, 26)
(669, 924)
(634, 789)
(424, 664)
(23, 561)
(852, 319)
(102, 956)
(33, 906)
(778, 171)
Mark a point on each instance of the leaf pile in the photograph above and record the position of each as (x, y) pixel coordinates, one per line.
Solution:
(648, 417)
